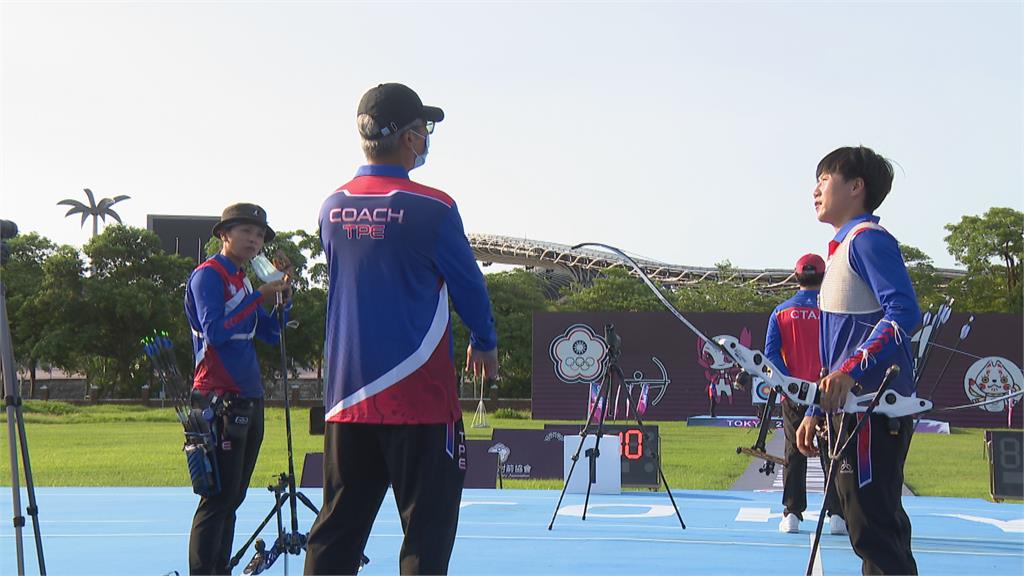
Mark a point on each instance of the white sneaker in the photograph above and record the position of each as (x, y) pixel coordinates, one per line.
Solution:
(790, 524)
(837, 526)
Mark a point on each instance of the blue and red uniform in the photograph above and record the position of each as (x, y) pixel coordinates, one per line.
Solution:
(865, 345)
(225, 314)
(791, 342)
(869, 311)
(396, 253)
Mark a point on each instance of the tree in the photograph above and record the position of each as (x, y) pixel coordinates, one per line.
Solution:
(982, 293)
(58, 304)
(21, 278)
(96, 211)
(923, 277)
(133, 288)
(304, 340)
(44, 285)
(515, 296)
(617, 289)
(310, 244)
(723, 296)
(976, 242)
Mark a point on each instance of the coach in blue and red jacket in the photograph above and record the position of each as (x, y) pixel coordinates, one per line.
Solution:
(225, 314)
(396, 254)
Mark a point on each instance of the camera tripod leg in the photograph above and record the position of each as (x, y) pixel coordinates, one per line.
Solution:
(576, 456)
(273, 511)
(302, 498)
(19, 520)
(32, 509)
(15, 434)
(283, 538)
(657, 457)
(287, 542)
(593, 453)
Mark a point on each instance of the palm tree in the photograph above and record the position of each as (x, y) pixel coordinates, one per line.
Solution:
(97, 211)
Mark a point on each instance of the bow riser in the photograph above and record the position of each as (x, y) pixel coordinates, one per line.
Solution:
(805, 392)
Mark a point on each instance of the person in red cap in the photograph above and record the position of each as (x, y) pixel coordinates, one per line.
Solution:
(792, 345)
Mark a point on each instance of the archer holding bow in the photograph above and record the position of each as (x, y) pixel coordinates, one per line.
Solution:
(868, 309)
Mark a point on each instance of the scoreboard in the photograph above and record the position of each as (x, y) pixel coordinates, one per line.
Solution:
(639, 450)
(1006, 464)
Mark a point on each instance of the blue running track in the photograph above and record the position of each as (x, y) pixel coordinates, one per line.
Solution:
(141, 531)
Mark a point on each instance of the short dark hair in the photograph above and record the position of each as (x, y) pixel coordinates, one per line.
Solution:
(860, 162)
(377, 147)
(806, 279)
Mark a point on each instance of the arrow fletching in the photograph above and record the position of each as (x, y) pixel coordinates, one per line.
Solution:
(965, 331)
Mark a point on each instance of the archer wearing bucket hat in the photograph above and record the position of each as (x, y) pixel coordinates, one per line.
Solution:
(247, 213)
(225, 313)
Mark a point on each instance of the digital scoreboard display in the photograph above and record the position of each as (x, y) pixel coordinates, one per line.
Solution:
(639, 450)
(1006, 463)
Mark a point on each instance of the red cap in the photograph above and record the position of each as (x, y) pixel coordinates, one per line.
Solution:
(812, 261)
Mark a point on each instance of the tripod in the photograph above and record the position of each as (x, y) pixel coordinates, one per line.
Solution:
(16, 420)
(480, 416)
(293, 542)
(612, 372)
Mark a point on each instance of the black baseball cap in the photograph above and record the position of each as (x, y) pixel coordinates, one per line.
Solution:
(394, 106)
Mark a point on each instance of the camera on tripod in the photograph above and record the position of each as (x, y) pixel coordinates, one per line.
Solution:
(8, 229)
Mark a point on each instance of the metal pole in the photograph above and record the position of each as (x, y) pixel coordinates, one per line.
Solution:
(10, 401)
(16, 422)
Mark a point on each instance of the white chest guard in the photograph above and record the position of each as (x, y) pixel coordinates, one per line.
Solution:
(842, 290)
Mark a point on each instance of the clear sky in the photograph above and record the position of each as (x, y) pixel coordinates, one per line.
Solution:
(681, 131)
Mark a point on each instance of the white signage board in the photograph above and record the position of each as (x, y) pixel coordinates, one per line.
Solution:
(604, 472)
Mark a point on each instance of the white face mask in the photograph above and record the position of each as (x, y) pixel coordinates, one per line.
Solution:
(421, 159)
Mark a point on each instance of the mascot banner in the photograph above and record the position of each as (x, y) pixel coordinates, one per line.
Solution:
(671, 375)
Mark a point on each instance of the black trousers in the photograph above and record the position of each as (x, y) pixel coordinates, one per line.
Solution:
(426, 467)
(869, 483)
(794, 475)
(213, 527)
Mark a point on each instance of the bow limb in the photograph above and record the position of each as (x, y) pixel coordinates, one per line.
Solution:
(657, 293)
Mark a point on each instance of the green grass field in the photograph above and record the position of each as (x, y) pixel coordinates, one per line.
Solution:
(135, 446)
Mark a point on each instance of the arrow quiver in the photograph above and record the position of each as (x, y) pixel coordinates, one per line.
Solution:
(197, 412)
